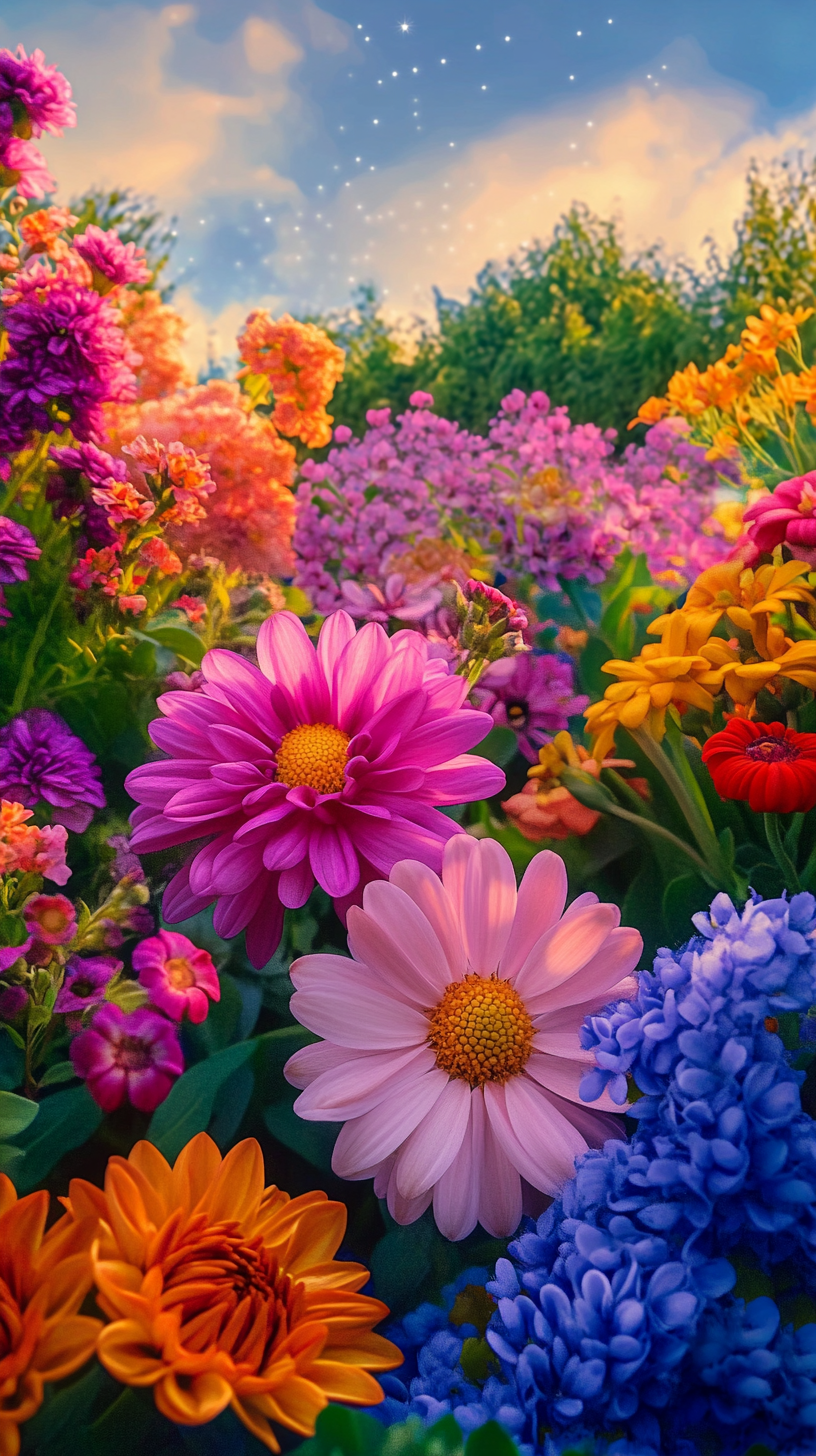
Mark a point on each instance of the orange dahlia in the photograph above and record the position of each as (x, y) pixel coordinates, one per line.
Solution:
(43, 1281)
(223, 1292)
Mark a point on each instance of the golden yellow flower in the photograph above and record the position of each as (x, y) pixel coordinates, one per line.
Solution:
(747, 598)
(669, 671)
(772, 328)
(222, 1292)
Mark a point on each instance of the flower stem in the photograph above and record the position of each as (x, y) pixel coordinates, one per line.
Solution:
(680, 781)
(773, 835)
(30, 662)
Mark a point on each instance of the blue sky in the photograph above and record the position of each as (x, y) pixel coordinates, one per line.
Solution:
(306, 148)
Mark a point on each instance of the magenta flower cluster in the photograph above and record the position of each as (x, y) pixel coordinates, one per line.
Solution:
(34, 98)
(112, 262)
(548, 490)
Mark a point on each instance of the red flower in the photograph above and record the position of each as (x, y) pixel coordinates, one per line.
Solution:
(771, 766)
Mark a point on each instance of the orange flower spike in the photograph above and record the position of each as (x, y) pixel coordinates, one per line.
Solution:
(43, 1281)
(303, 367)
(221, 1292)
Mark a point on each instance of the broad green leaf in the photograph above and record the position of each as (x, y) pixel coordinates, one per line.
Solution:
(500, 746)
(16, 1114)
(59, 1072)
(12, 1060)
(682, 898)
(180, 639)
(10, 1159)
(490, 1440)
(314, 1141)
(65, 1120)
(188, 1107)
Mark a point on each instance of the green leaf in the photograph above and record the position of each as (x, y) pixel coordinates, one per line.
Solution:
(499, 747)
(178, 639)
(58, 1072)
(682, 898)
(490, 1440)
(188, 1107)
(10, 1159)
(12, 1063)
(313, 1140)
(54, 1428)
(16, 1114)
(65, 1121)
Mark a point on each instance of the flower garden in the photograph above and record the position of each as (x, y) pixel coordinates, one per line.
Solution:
(407, 890)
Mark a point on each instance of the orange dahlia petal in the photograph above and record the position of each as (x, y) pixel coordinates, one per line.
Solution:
(193, 1401)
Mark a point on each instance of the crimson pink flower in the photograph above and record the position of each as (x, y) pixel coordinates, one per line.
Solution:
(178, 976)
(319, 764)
(132, 1054)
(787, 515)
(451, 1053)
(770, 765)
(51, 918)
(111, 261)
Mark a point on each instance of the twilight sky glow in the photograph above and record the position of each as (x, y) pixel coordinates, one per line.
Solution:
(306, 149)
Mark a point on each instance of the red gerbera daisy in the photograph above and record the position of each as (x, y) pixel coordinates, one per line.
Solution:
(770, 765)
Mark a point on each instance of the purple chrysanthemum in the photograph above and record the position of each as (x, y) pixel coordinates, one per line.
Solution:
(40, 758)
(17, 547)
(70, 490)
(320, 764)
(67, 357)
(34, 97)
(128, 1054)
(114, 261)
(532, 694)
(85, 980)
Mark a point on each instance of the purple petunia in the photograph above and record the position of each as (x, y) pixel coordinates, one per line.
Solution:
(17, 547)
(534, 694)
(34, 97)
(67, 357)
(40, 758)
(85, 980)
(111, 261)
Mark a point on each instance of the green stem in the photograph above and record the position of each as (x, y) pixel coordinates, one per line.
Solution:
(30, 662)
(697, 817)
(34, 462)
(773, 835)
(650, 827)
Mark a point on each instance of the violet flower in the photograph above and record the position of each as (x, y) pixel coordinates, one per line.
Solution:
(17, 548)
(40, 758)
(534, 694)
(85, 980)
(134, 1055)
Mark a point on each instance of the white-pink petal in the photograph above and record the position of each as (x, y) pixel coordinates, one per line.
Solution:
(389, 962)
(617, 955)
(542, 895)
(361, 1083)
(563, 1076)
(562, 951)
(488, 906)
(538, 1140)
(430, 896)
(403, 921)
(345, 1012)
(434, 1143)
(366, 1140)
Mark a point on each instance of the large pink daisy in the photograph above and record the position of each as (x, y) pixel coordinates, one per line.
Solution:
(319, 764)
(451, 1052)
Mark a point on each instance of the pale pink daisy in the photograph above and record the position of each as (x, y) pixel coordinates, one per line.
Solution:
(322, 763)
(451, 1049)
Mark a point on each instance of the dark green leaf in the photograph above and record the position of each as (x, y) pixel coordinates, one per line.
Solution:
(180, 640)
(65, 1121)
(58, 1072)
(500, 746)
(12, 1062)
(490, 1440)
(188, 1107)
(313, 1140)
(682, 898)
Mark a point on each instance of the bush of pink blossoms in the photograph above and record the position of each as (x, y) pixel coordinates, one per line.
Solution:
(545, 496)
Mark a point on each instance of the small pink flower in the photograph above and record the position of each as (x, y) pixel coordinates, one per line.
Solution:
(787, 515)
(134, 1055)
(177, 974)
(452, 1054)
(22, 165)
(51, 918)
(134, 604)
(194, 608)
(13, 1001)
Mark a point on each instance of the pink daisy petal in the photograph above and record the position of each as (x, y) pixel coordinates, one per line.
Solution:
(398, 917)
(616, 957)
(430, 896)
(565, 949)
(430, 1149)
(563, 1076)
(361, 1084)
(457, 856)
(500, 1194)
(312, 1061)
(488, 906)
(390, 960)
(456, 1195)
(539, 1141)
(288, 659)
(356, 1017)
(365, 1140)
(542, 896)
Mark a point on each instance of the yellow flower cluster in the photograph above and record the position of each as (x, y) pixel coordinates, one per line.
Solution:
(748, 394)
(689, 666)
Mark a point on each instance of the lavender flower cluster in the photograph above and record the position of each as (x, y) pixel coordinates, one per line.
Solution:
(542, 493)
(619, 1310)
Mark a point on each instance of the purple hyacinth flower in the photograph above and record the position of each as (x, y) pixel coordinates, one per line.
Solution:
(17, 547)
(40, 758)
(85, 980)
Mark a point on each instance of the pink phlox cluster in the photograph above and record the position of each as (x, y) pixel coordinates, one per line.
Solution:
(404, 601)
(111, 261)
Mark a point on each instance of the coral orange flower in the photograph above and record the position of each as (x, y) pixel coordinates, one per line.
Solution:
(156, 331)
(221, 1292)
(303, 367)
(546, 809)
(43, 1281)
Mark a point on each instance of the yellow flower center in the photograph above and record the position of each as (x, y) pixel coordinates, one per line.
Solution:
(481, 1031)
(314, 754)
(179, 972)
(53, 920)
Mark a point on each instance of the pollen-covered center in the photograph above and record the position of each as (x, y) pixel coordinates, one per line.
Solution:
(481, 1031)
(771, 750)
(180, 972)
(314, 754)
